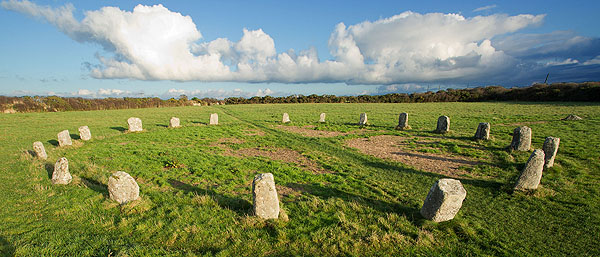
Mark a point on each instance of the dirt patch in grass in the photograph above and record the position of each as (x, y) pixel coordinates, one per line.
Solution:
(309, 131)
(254, 132)
(226, 141)
(278, 154)
(391, 148)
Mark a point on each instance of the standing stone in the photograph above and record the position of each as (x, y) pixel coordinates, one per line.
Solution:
(264, 196)
(403, 121)
(39, 149)
(363, 119)
(550, 148)
(322, 117)
(443, 200)
(174, 122)
(214, 119)
(483, 131)
(123, 188)
(286, 118)
(61, 173)
(532, 173)
(521, 140)
(84, 133)
(64, 138)
(135, 124)
(443, 124)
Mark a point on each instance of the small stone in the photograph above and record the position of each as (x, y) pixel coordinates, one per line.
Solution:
(84, 133)
(214, 119)
(443, 200)
(174, 122)
(403, 121)
(550, 148)
(483, 131)
(322, 117)
(64, 138)
(521, 140)
(135, 124)
(443, 124)
(532, 173)
(39, 150)
(285, 118)
(572, 117)
(264, 196)
(123, 188)
(363, 119)
(61, 173)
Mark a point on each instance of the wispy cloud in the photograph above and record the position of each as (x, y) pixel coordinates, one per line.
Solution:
(484, 8)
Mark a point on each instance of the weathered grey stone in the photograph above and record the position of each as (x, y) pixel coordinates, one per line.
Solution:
(521, 140)
(532, 173)
(123, 188)
(174, 122)
(264, 196)
(443, 124)
(550, 148)
(39, 150)
(403, 121)
(64, 138)
(84, 133)
(285, 118)
(443, 200)
(214, 119)
(135, 124)
(363, 119)
(61, 173)
(572, 117)
(322, 117)
(483, 131)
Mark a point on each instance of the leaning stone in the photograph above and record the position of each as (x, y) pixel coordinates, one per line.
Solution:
(322, 117)
(443, 200)
(483, 131)
(443, 124)
(174, 122)
(403, 121)
(123, 188)
(264, 196)
(135, 124)
(64, 138)
(214, 119)
(285, 118)
(572, 117)
(532, 173)
(550, 148)
(521, 140)
(363, 119)
(39, 150)
(84, 133)
(61, 173)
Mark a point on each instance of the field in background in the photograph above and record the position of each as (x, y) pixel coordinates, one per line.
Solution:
(195, 182)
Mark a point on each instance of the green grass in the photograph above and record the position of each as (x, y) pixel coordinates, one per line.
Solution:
(196, 199)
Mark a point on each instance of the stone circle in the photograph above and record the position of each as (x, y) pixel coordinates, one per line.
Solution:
(532, 173)
(123, 188)
(61, 173)
(264, 196)
(64, 138)
(443, 200)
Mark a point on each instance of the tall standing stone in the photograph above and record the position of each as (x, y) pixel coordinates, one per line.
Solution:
(443, 124)
(532, 173)
(135, 124)
(550, 148)
(521, 140)
(363, 119)
(39, 150)
(264, 196)
(214, 119)
(403, 121)
(61, 173)
(123, 188)
(64, 138)
(174, 122)
(84, 133)
(443, 200)
(483, 131)
(322, 117)
(285, 118)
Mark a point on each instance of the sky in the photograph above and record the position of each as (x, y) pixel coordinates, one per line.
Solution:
(225, 49)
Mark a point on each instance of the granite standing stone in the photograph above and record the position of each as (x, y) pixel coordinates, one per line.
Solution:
(363, 119)
(39, 150)
(521, 140)
(443, 200)
(174, 122)
(264, 196)
(123, 188)
(532, 173)
(64, 138)
(84, 133)
(61, 173)
(286, 118)
(135, 124)
(322, 117)
(483, 131)
(443, 124)
(214, 119)
(550, 148)
(403, 121)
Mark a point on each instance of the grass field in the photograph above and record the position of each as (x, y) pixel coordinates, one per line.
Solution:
(195, 183)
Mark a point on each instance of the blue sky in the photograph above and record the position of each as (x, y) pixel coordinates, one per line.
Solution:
(248, 48)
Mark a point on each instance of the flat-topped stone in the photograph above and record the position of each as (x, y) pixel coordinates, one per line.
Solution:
(521, 140)
(483, 131)
(443, 124)
(322, 117)
(84, 133)
(550, 149)
(532, 173)
(64, 138)
(264, 196)
(123, 188)
(285, 118)
(61, 173)
(174, 122)
(403, 121)
(572, 117)
(214, 119)
(135, 124)
(363, 119)
(443, 200)
(39, 150)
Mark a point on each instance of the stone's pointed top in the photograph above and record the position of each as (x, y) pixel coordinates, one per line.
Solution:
(174, 122)
(61, 173)
(443, 200)
(64, 138)
(123, 188)
(264, 196)
(285, 118)
(39, 150)
(135, 124)
(84, 133)
(532, 173)
(572, 117)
